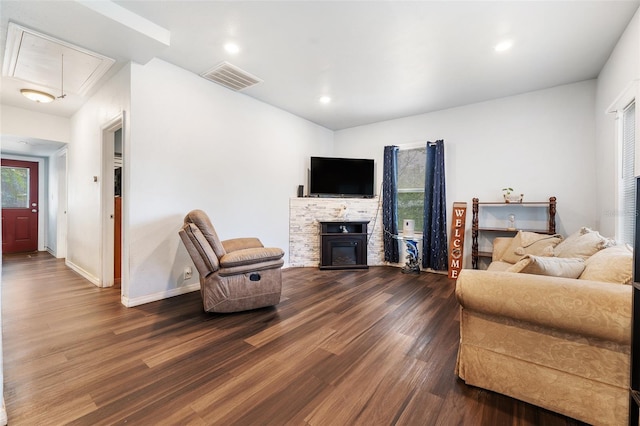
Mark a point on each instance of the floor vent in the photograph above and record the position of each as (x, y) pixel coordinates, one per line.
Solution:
(231, 77)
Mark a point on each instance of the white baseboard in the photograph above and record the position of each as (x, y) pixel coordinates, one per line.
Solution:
(159, 296)
(94, 280)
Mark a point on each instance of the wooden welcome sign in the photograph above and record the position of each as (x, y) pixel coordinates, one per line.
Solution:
(456, 242)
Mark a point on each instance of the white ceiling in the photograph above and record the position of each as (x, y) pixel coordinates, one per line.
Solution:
(377, 60)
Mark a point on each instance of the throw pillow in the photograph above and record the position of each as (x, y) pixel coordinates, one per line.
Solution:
(612, 265)
(530, 243)
(551, 266)
(582, 244)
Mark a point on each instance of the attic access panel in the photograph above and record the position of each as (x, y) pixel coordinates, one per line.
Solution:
(37, 58)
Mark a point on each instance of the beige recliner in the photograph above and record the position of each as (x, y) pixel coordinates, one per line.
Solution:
(235, 275)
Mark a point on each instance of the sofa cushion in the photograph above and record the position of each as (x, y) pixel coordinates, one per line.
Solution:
(582, 244)
(612, 265)
(552, 266)
(499, 265)
(530, 243)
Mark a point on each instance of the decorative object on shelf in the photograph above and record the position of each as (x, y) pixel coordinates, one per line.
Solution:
(343, 212)
(509, 197)
(511, 224)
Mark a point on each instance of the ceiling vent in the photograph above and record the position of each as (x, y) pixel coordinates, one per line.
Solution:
(231, 77)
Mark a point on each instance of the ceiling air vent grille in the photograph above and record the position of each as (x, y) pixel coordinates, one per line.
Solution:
(231, 76)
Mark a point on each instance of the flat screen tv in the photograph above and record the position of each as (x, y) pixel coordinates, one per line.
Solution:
(341, 177)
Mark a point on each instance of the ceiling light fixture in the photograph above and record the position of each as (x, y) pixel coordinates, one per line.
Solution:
(232, 48)
(324, 99)
(503, 46)
(37, 96)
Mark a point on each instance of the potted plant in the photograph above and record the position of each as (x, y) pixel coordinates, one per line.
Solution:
(509, 198)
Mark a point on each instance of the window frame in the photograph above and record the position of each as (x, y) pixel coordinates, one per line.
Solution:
(625, 220)
(626, 98)
(420, 190)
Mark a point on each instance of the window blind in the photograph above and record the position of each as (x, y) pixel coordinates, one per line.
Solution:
(627, 188)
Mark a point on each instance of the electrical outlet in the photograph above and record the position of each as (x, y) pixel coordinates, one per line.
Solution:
(187, 272)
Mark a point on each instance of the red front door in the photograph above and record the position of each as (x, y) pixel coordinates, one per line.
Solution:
(19, 206)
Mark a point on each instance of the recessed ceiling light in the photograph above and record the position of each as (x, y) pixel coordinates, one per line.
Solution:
(324, 99)
(37, 96)
(232, 48)
(503, 46)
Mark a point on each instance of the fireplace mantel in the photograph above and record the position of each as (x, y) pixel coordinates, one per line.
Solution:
(306, 213)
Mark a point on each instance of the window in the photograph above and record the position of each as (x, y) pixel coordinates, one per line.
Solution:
(15, 187)
(411, 177)
(626, 185)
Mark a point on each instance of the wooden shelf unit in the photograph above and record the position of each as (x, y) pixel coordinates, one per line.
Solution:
(476, 229)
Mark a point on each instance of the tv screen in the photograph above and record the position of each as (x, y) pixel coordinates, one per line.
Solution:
(341, 177)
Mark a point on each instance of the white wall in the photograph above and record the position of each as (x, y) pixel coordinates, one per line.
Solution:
(197, 145)
(57, 201)
(84, 161)
(21, 122)
(620, 70)
(540, 143)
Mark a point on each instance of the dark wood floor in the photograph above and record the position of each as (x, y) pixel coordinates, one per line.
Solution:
(373, 347)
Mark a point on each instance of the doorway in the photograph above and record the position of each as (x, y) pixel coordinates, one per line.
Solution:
(113, 206)
(19, 206)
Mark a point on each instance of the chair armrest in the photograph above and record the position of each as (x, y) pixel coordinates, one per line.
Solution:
(235, 244)
(250, 256)
(584, 307)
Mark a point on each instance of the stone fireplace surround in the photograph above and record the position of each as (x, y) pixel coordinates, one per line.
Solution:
(305, 213)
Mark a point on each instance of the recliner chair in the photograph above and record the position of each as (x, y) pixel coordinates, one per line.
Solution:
(235, 275)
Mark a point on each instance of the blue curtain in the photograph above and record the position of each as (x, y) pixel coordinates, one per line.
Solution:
(434, 241)
(390, 203)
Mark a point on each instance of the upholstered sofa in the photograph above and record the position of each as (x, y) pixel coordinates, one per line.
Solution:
(558, 342)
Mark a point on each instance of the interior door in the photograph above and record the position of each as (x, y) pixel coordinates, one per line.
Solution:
(19, 206)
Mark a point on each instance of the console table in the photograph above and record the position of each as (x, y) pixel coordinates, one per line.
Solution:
(343, 245)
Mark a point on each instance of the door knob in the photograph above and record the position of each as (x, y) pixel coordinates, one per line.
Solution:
(34, 211)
